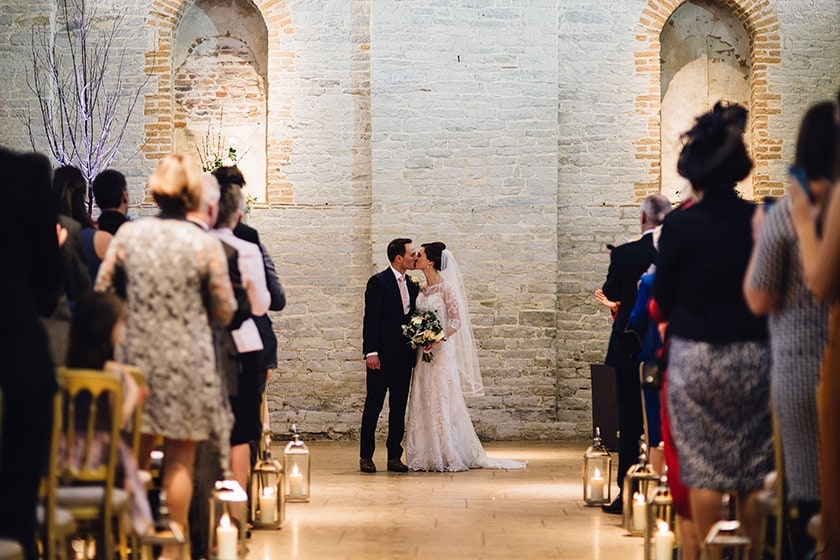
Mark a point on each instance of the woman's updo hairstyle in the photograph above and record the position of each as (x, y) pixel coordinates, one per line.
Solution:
(176, 184)
(714, 156)
(434, 252)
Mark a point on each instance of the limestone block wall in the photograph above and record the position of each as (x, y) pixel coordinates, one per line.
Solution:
(523, 134)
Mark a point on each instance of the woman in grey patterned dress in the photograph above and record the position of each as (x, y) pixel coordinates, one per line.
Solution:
(174, 279)
(798, 323)
(718, 362)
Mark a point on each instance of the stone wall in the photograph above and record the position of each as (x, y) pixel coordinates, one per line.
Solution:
(522, 133)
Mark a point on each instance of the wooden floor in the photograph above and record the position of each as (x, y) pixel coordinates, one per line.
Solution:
(481, 514)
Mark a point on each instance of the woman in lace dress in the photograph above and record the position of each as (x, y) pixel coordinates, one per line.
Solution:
(174, 279)
(439, 433)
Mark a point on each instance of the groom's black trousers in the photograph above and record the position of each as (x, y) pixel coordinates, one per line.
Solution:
(394, 382)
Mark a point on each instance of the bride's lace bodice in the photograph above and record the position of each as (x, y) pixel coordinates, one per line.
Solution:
(440, 299)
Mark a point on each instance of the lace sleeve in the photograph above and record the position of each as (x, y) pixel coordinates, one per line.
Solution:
(453, 314)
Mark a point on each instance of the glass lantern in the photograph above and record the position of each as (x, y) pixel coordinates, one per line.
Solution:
(296, 467)
(268, 491)
(597, 473)
(639, 484)
(726, 538)
(227, 538)
(659, 529)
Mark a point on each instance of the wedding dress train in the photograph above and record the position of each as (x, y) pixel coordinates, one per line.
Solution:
(439, 433)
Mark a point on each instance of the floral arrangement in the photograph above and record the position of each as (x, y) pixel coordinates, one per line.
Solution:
(423, 329)
(213, 153)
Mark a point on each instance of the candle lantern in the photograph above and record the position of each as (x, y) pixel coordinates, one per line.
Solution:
(639, 483)
(227, 537)
(726, 538)
(268, 490)
(296, 467)
(659, 535)
(597, 473)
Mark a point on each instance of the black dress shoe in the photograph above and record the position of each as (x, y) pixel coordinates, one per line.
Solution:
(615, 508)
(367, 465)
(395, 465)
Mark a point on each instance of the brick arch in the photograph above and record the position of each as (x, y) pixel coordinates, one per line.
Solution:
(163, 18)
(762, 27)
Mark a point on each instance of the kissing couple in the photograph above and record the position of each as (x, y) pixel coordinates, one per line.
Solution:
(439, 433)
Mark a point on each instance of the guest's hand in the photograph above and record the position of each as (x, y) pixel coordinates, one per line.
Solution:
(602, 299)
(802, 213)
(757, 221)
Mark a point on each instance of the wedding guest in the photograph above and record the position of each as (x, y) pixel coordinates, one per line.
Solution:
(31, 282)
(797, 321)
(245, 403)
(111, 194)
(98, 326)
(820, 256)
(174, 279)
(627, 264)
(70, 189)
(718, 357)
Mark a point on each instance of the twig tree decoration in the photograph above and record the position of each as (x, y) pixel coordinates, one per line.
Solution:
(79, 82)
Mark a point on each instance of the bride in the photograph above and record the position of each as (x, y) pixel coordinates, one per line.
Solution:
(439, 433)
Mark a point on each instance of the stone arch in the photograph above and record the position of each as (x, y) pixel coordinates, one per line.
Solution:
(762, 27)
(164, 18)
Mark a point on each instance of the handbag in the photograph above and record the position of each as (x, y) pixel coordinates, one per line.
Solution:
(652, 375)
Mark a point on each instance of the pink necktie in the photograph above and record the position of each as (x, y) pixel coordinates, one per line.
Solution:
(403, 293)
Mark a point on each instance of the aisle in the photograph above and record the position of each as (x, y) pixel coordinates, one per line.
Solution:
(533, 513)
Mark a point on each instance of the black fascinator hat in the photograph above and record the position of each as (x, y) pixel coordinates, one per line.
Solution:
(714, 156)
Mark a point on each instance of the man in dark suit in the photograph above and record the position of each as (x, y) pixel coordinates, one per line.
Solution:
(111, 194)
(627, 263)
(389, 300)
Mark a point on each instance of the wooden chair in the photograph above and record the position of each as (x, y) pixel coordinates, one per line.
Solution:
(772, 503)
(86, 468)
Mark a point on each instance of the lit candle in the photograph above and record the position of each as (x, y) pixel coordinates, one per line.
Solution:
(296, 483)
(227, 537)
(663, 541)
(596, 486)
(268, 506)
(639, 520)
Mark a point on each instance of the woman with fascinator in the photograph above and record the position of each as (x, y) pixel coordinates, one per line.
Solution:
(439, 433)
(719, 361)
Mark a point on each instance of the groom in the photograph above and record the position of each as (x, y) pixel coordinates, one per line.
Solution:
(389, 300)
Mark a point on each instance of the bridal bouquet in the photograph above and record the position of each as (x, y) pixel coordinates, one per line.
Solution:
(422, 329)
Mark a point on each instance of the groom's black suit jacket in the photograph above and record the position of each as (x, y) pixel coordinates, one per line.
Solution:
(384, 318)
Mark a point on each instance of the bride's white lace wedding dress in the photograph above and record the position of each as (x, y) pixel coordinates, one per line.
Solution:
(439, 433)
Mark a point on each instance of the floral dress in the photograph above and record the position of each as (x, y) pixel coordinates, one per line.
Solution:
(174, 279)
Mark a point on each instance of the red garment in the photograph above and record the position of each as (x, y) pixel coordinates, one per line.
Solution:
(679, 491)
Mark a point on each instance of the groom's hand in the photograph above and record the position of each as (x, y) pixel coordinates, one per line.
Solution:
(372, 362)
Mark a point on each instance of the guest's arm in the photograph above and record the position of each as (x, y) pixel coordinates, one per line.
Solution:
(820, 256)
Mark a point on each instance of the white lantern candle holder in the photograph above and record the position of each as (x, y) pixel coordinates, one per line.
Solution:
(639, 484)
(296, 464)
(227, 537)
(659, 529)
(597, 473)
(267, 490)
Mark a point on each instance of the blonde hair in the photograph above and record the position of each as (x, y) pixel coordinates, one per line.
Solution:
(176, 184)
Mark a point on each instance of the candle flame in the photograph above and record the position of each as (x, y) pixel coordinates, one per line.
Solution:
(662, 526)
(268, 492)
(295, 470)
(639, 498)
(224, 521)
(597, 473)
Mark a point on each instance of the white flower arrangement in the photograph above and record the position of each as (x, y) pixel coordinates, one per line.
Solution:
(213, 153)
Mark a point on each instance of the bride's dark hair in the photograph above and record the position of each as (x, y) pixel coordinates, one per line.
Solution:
(434, 252)
(714, 156)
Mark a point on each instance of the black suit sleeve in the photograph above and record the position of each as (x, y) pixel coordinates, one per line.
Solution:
(243, 310)
(374, 294)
